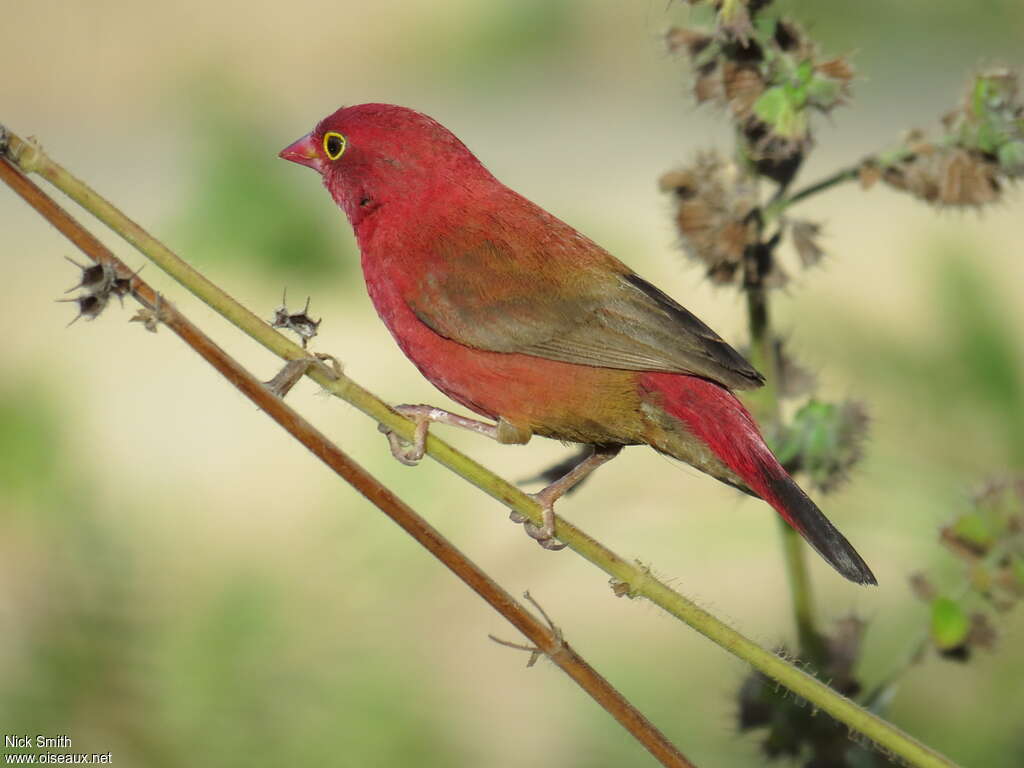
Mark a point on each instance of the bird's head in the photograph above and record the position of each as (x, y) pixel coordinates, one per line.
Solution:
(374, 154)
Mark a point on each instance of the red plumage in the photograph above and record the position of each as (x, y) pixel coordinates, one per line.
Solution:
(517, 316)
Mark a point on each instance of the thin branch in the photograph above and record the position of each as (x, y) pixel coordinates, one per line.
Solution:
(772, 210)
(547, 640)
(631, 579)
(881, 160)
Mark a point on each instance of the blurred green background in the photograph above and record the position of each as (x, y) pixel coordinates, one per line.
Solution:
(182, 584)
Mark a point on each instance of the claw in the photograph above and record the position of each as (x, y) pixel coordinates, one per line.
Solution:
(543, 534)
(410, 453)
(401, 449)
(546, 498)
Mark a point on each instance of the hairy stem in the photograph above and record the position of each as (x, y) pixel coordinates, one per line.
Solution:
(546, 639)
(633, 579)
(880, 160)
(774, 209)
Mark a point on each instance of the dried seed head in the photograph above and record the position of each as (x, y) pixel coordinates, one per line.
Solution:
(714, 202)
(837, 68)
(946, 176)
(825, 440)
(769, 77)
(790, 727)
(89, 306)
(299, 323)
(742, 85)
(708, 85)
(98, 283)
(96, 278)
(983, 148)
(692, 41)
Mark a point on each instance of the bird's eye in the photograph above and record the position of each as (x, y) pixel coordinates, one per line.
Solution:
(334, 145)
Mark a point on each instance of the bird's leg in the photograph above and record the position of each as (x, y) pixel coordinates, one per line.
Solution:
(545, 533)
(424, 415)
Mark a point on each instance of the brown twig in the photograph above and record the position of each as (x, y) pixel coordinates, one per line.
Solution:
(546, 638)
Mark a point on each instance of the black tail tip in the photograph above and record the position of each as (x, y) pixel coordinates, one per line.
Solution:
(804, 515)
(856, 570)
(838, 552)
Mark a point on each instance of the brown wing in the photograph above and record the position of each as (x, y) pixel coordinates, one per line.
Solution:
(575, 303)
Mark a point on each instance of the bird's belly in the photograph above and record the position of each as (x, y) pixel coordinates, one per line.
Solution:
(553, 399)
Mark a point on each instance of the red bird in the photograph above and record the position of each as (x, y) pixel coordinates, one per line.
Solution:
(520, 318)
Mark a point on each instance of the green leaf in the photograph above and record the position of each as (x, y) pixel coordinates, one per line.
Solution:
(805, 71)
(771, 104)
(778, 108)
(950, 624)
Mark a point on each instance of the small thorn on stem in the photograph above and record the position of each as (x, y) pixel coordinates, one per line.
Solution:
(150, 318)
(534, 651)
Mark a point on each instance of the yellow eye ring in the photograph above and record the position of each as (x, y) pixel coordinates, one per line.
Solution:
(334, 145)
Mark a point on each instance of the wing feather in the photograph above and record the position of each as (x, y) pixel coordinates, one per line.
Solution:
(582, 307)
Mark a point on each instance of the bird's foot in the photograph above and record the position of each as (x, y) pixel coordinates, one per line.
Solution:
(410, 453)
(543, 534)
(422, 416)
(546, 498)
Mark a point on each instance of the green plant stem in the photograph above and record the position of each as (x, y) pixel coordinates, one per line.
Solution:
(764, 401)
(795, 551)
(774, 209)
(632, 579)
(881, 160)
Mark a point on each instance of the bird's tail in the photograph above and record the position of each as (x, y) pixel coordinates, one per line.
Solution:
(717, 418)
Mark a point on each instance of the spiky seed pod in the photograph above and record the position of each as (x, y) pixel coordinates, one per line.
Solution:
(692, 41)
(90, 306)
(946, 176)
(825, 440)
(769, 78)
(742, 85)
(791, 728)
(714, 202)
(982, 150)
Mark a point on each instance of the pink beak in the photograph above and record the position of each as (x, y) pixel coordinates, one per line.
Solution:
(304, 152)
